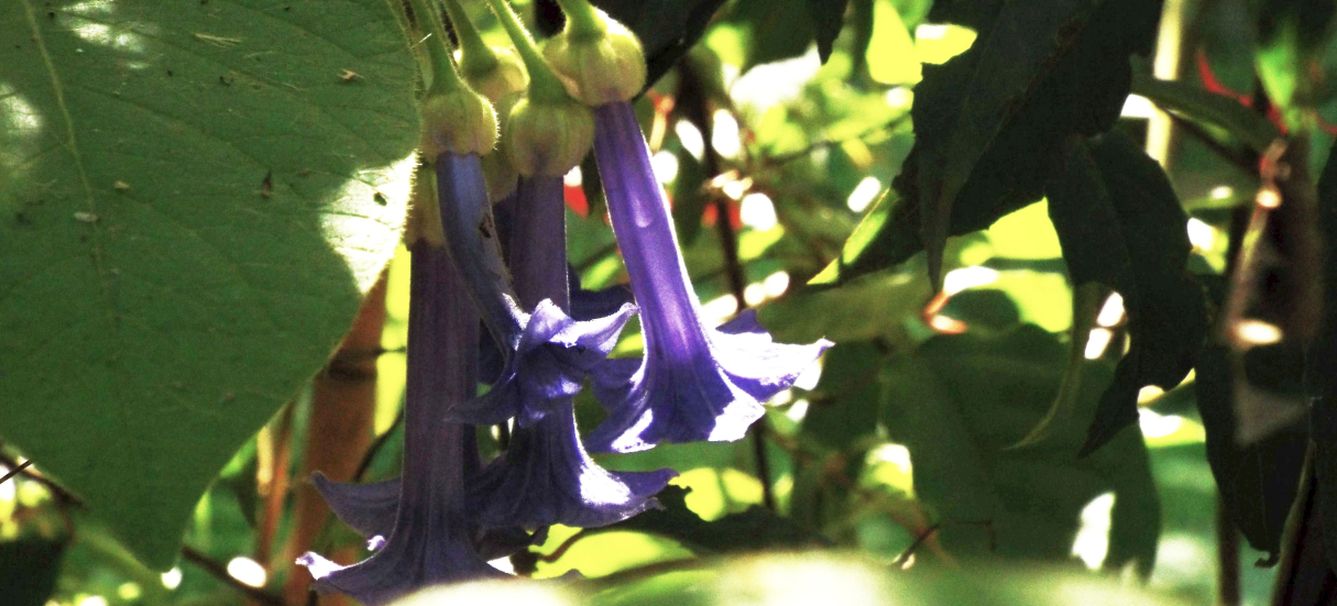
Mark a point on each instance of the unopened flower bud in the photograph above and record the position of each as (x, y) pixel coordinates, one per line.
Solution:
(548, 138)
(497, 80)
(598, 66)
(458, 122)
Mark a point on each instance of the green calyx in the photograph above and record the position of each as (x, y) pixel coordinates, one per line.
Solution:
(505, 76)
(455, 119)
(494, 72)
(459, 122)
(547, 138)
(544, 85)
(598, 59)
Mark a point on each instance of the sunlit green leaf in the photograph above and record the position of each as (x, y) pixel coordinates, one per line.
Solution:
(194, 201)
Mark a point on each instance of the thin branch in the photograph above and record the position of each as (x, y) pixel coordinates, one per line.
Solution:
(909, 552)
(16, 471)
(563, 548)
(62, 496)
(1242, 159)
(217, 570)
(376, 447)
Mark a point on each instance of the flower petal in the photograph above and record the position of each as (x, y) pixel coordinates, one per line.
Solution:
(545, 477)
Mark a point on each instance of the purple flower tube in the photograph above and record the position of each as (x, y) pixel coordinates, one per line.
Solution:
(694, 383)
(432, 540)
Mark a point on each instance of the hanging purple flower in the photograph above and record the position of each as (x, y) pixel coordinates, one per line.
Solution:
(545, 476)
(693, 383)
(432, 538)
(547, 353)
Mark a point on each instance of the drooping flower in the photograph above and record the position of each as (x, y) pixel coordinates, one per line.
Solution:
(545, 475)
(694, 382)
(432, 538)
(547, 353)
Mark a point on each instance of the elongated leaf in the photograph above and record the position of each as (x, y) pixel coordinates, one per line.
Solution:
(961, 106)
(1201, 106)
(194, 199)
(828, 17)
(1120, 224)
(1078, 89)
(1257, 481)
(1293, 35)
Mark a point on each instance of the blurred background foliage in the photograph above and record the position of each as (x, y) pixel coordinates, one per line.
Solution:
(777, 127)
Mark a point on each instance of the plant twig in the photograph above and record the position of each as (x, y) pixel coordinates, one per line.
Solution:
(16, 471)
(217, 570)
(909, 552)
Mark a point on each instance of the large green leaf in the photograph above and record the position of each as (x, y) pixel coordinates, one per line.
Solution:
(1120, 224)
(959, 403)
(194, 199)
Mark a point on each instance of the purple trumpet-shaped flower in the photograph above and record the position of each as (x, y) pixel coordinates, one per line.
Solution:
(432, 540)
(546, 353)
(545, 476)
(694, 383)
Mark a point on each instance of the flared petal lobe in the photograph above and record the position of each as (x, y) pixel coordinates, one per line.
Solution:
(545, 477)
(694, 383)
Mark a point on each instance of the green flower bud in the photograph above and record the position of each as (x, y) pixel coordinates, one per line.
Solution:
(459, 122)
(598, 66)
(548, 138)
(499, 79)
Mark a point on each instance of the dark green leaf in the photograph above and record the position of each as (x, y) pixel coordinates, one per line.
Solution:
(193, 203)
(1120, 224)
(1322, 359)
(1079, 88)
(777, 29)
(845, 408)
(828, 16)
(1257, 481)
(961, 106)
